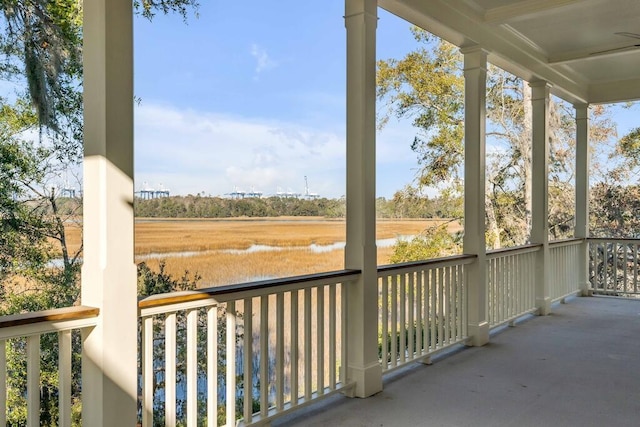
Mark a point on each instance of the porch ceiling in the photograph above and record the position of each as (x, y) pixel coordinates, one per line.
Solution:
(584, 48)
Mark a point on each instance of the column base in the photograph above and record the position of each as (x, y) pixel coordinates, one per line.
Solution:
(478, 334)
(585, 291)
(544, 306)
(368, 380)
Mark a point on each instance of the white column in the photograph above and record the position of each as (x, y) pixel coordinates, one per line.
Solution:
(109, 372)
(540, 191)
(582, 193)
(360, 252)
(475, 81)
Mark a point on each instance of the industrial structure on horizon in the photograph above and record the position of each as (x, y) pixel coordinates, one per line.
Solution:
(288, 194)
(148, 192)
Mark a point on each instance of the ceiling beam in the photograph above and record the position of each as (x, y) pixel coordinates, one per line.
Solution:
(615, 91)
(456, 22)
(523, 9)
(592, 53)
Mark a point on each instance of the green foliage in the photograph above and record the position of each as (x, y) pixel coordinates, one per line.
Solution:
(406, 203)
(41, 44)
(427, 87)
(432, 243)
(30, 221)
(149, 8)
(160, 282)
(411, 203)
(614, 211)
(629, 147)
(217, 207)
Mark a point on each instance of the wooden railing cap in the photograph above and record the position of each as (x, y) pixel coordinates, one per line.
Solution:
(56, 314)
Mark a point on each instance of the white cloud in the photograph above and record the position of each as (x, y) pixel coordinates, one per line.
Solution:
(191, 152)
(263, 61)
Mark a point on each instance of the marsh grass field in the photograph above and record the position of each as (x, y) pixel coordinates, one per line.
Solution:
(228, 251)
(239, 250)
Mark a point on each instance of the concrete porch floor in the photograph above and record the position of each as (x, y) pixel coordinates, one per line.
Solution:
(579, 366)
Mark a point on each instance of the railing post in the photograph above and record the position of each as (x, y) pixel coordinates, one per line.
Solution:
(475, 75)
(540, 191)
(109, 356)
(363, 366)
(582, 195)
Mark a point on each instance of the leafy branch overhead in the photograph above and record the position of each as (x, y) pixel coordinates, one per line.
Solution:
(426, 87)
(629, 147)
(42, 47)
(41, 59)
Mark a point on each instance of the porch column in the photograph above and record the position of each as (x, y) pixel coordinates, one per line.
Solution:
(582, 193)
(109, 371)
(475, 80)
(540, 191)
(360, 252)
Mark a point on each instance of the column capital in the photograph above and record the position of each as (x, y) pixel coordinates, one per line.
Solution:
(473, 48)
(475, 57)
(582, 111)
(540, 90)
(540, 83)
(360, 8)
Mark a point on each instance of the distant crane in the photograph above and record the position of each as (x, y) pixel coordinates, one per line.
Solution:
(241, 194)
(307, 194)
(67, 190)
(162, 192)
(148, 192)
(289, 194)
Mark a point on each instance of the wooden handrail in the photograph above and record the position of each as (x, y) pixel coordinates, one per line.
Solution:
(57, 314)
(613, 239)
(514, 249)
(563, 242)
(218, 291)
(426, 263)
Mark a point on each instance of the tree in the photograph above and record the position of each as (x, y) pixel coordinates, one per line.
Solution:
(427, 86)
(41, 135)
(42, 46)
(434, 242)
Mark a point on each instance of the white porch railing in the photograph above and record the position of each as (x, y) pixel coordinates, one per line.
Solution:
(564, 275)
(613, 266)
(28, 328)
(511, 283)
(251, 352)
(422, 309)
(244, 352)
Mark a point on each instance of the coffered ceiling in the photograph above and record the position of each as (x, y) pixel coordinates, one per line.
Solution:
(588, 50)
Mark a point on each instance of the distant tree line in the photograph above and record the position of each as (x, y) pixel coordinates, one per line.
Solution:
(219, 207)
(407, 203)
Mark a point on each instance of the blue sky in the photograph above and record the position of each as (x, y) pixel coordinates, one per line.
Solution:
(254, 98)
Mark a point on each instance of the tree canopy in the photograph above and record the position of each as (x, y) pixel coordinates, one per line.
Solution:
(40, 135)
(41, 43)
(427, 87)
